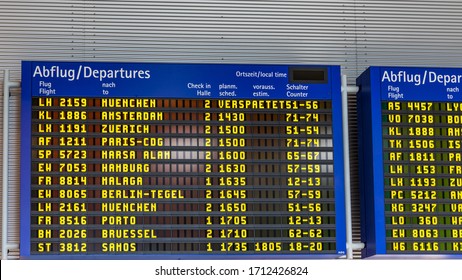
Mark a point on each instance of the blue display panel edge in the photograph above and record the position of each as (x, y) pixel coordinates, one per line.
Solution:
(377, 84)
(159, 80)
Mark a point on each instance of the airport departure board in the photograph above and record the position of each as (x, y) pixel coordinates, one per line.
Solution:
(411, 160)
(138, 160)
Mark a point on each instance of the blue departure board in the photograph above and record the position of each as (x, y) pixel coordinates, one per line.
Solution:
(410, 122)
(140, 160)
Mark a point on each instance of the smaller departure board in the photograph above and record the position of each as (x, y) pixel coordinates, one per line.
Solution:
(125, 160)
(410, 123)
